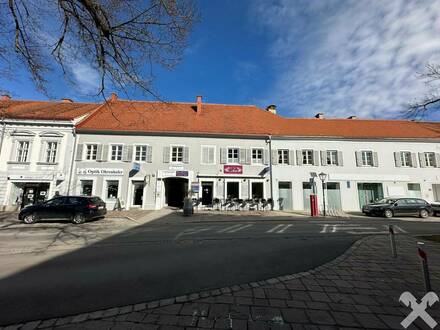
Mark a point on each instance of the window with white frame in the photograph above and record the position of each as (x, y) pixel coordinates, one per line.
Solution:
(116, 152)
(367, 158)
(51, 152)
(112, 189)
(140, 154)
(176, 154)
(22, 151)
(307, 157)
(283, 156)
(332, 157)
(405, 158)
(430, 159)
(257, 156)
(91, 151)
(233, 155)
(208, 154)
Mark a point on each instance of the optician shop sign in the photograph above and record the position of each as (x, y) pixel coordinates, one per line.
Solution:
(100, 171)
(233, 169)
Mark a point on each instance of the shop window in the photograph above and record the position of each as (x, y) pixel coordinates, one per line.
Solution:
(257, 156)
(22, 151)
(91, 151)
(112, 189)
(51, 152)
(86, 187)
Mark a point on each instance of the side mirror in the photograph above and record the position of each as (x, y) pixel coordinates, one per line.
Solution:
(395, 204)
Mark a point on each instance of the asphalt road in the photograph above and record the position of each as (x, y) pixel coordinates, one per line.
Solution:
(75, 269)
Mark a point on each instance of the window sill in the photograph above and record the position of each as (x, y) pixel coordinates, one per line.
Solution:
(18, 163)
(46, 163)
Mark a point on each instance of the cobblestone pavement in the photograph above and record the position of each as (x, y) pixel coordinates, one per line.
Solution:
(358, 290)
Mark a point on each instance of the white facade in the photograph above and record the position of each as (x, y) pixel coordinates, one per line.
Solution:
(35, 162)
(350, 182)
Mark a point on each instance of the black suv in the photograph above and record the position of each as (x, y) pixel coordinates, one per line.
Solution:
(78, 209)
(389, 207)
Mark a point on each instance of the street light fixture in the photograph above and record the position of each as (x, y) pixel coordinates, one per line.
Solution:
(323, 176)
(269, 142)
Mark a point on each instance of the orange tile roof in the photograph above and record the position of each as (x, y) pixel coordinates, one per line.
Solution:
(138, 116)
(45, 110)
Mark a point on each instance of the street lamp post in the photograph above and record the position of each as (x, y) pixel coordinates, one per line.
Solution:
(323, 176)
(269, 142)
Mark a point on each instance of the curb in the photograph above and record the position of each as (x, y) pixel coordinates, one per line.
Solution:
(116, 311)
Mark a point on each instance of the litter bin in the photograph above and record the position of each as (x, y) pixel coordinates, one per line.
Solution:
(188, 207)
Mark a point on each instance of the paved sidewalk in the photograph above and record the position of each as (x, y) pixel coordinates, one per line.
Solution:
(358, 290)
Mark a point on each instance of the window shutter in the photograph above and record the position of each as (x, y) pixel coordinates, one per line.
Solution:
(315, 157)
(99, 152)
(413, 159)
(359, 158)
(127, 153)
(186, 155)
(248, 156)
(291, 157)
(437, 160)
(299, 157)
(166, 154)
(29, 156)
(211, 155)
(43, 149)
(422, 159)
(323, 157)
(57, 152)
(104, 153)
(79, 152)
(223, 155)
(340, 159)
(205, 155)
(242, 156)
(265, 157)
(274, 157)
(149, 158)
(375, 159)
(397, 159)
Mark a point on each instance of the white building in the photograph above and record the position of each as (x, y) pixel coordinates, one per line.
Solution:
(37, 141)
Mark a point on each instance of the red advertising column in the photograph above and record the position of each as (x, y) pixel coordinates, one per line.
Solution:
(313, 205)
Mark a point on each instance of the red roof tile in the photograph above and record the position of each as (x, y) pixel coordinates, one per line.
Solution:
(137, 116)
(45, 110)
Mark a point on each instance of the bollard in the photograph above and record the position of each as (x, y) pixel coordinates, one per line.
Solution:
(425, 270)
(392, 241)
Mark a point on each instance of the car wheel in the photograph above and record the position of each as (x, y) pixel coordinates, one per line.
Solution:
(388, 213)
(423, 214)
(78, 219)
(30, 218)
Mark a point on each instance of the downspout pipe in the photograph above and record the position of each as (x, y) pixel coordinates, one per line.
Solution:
(72, 160)
(269, 141)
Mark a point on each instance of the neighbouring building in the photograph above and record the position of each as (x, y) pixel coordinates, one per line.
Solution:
(37, 141)
(151, 154)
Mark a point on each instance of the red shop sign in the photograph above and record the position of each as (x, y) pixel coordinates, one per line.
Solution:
(233, 169)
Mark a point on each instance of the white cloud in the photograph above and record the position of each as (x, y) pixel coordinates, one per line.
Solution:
(86, 79)
(351, 56)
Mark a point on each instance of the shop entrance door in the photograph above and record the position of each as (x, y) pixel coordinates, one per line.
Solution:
(34, 193)
(207, 188)
(175, 191)
(138, 193)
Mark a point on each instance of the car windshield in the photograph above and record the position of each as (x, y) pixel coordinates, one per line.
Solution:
(386, 201)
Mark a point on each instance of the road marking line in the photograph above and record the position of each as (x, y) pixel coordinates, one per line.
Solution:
(335, 228)
(229, 228)
(191, 231)
(239, 228)
(284, 229)
(399, 229)
(324, 228)
(273, 229)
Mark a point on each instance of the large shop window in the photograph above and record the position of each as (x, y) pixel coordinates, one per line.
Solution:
(112, 189)
(86, 187)
(233, 190)
(22, 151)
(257, 190)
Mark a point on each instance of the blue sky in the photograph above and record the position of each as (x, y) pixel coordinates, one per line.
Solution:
(340, 57)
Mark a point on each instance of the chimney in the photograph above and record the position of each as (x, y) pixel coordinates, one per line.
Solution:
(199, 104)
(319, 115)
(66, 100)
(6, 97)
(113, 97)
(272, 109)
(352, 117)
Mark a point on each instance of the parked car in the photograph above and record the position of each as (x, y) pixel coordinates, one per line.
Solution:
(78, 209)
(436, 208)
(389, 207)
